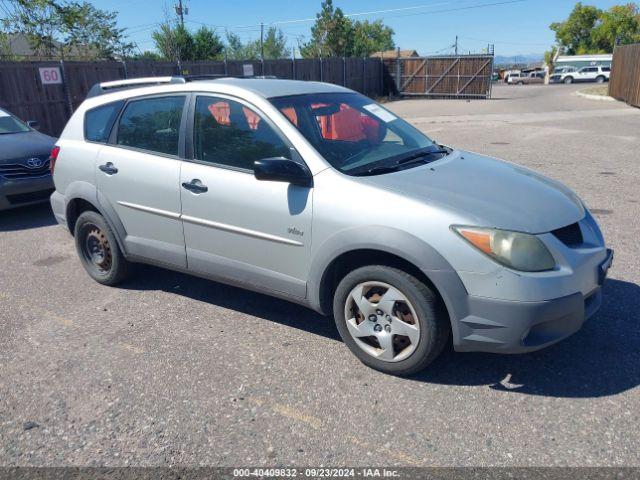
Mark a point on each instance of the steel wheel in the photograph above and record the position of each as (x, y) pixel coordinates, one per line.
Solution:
(382, 321)
(96, 249)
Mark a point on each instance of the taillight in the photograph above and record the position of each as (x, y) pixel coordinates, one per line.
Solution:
(53, 157)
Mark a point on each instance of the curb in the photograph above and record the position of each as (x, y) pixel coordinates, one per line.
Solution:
(602, 98)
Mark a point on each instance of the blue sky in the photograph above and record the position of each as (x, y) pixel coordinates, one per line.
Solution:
(428, 26)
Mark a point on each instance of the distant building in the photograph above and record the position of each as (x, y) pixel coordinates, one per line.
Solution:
(18, 45)
(394, 54)
(579, 61)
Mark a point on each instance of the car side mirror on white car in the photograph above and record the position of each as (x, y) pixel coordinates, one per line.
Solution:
(281, 169)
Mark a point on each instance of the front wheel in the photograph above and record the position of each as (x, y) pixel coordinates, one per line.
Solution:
(390, 320)
(568, 80)
(600, 79)
(98, 249)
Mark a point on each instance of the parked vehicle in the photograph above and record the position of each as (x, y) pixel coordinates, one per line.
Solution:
(314, 193)
(511, 73)
(585, 74)
(25, 178)
(527, 79)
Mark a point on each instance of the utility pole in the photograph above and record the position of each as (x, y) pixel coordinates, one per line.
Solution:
(262, 41)
(181, 11)
(456, 44)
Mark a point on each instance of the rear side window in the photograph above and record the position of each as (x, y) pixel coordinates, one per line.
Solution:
(152, 124)
(98, 122)
(606, 69)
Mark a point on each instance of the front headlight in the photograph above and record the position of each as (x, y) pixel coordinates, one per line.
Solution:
(516, 250)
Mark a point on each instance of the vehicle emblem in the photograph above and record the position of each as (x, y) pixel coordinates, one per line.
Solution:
(34, 163)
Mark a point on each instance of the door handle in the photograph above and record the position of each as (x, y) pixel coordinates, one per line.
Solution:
(108, 168)
(195, 186)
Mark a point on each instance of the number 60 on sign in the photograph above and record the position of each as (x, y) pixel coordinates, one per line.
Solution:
(50, 75)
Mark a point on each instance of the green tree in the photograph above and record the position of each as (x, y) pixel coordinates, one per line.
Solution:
(575, 33)
(371, 37)
(620, 22)
(174, 42)
(331, 34)
(237, 50)
(59, 27)
(147, 56)
(93, 33)
(207, 44)
(275, 44)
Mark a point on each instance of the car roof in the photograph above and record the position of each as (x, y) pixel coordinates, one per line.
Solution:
(272, 87)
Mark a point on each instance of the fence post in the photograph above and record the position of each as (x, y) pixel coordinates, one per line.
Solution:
(398, 77)
(320, 68)
(65, 88)
(364, 75)
(293, 67)
(344, 72)
(381, 89)
(124, 65)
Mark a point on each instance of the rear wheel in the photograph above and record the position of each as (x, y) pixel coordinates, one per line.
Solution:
(98, 249)
(390, 320)
(600, 79)
(568, 80)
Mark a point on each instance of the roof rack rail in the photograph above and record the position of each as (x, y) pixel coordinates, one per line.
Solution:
(108, 87)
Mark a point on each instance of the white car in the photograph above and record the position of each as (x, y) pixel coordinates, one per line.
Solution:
(597, 74)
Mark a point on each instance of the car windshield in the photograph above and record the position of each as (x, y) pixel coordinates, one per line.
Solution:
(355, 135)
(9, 124)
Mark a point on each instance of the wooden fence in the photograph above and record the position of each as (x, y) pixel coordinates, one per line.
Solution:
(625, 74)
(23, 92)
(444, 76)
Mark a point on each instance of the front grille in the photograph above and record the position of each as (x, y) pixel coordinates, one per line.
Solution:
(20, 198)
(18, 171)
(571, 235)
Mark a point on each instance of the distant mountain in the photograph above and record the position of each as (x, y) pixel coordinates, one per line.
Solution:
(518, 59)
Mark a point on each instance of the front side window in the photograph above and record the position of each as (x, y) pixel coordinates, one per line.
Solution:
(152, 124)
(10, 124)
(354, 134)
(98, 121)
(226, 132)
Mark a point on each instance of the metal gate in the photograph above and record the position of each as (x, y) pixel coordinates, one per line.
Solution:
(450, 76)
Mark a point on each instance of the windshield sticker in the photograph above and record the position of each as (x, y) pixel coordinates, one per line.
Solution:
(380, 112)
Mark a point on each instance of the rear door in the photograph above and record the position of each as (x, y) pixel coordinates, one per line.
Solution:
(236, 227)
(138, 175)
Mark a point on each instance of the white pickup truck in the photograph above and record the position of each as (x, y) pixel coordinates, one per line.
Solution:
(598, 74)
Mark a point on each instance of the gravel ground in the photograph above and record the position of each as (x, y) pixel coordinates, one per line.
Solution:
(173, 370)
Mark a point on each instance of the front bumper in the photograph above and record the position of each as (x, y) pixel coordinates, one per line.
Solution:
(18, 193)
(504, 326)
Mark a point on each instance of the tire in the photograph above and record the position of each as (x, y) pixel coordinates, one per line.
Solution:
(600, 79)
(98, 249)
(568, 80)
(417, 303)
(520, 83)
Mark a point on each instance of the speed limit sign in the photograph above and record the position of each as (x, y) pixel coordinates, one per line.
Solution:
(50, 75)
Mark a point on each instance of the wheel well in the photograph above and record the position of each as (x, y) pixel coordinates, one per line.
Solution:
(349, 261)
(75, 208)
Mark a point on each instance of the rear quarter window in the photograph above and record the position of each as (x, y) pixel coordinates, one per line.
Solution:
(99, 121)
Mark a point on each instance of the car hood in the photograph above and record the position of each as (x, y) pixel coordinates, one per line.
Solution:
(488, 192)
(24, 144)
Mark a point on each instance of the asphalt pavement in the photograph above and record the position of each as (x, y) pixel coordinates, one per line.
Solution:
(173, 370)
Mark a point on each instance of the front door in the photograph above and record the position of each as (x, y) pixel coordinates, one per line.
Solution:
(138, 176)
(236, 227)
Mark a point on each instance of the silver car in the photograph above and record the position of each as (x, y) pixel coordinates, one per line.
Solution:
(314, 193)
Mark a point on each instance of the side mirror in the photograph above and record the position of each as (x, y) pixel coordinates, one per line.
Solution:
(280, 169)
(34, 124)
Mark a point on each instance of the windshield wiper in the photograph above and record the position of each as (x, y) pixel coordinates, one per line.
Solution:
(416, 157)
